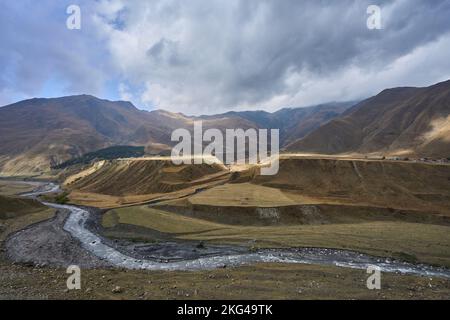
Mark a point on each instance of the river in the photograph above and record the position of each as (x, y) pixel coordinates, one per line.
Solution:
(77, 220)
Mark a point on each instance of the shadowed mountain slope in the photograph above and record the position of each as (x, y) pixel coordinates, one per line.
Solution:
(400, 121)
(37, 134)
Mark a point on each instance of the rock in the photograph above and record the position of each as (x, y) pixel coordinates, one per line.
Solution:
(117, 289)
(28, 264)
(88, 290)
(201, 245)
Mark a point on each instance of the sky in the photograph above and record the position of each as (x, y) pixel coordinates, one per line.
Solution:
(213, 56)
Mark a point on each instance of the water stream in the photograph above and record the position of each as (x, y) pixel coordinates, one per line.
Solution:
(78, 217)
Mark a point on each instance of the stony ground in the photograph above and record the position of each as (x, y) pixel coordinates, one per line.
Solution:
(263, 281)
(46, 242)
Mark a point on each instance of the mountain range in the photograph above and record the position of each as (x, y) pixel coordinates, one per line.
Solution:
(39, 133)
(400, 121)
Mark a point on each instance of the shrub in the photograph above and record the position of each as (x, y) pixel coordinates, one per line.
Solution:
(62, 198)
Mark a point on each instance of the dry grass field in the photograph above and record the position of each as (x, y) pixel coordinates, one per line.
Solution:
(12, 225)
(382, 208)
(18, 213)
(407, 241)
(385, 208)
(9, 187)
(394, 184)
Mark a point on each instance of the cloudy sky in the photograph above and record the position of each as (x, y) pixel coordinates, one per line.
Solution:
(210, 56)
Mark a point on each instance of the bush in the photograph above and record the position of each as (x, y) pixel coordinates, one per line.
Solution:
(62, 198)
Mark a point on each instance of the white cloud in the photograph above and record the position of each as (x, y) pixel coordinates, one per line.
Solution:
(124, 92)
(201, 56)
(423, 66)
(207, 57)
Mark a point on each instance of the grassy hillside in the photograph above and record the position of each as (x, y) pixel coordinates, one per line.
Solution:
(394, 184)
(141, 176)
(11, 188)
(384, 208)
(108, 184)
(408, 241)
(18, 213)
(12, 207)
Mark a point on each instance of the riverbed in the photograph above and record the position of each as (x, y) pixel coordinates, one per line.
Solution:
(76, 224)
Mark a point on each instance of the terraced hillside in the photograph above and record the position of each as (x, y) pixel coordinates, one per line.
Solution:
(126, 181)
(394, 184)
(386, 208)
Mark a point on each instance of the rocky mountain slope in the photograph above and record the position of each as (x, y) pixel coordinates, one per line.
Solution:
(401, 121)
(37, 134)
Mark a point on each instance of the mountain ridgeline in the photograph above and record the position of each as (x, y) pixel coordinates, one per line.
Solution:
(38, 134)
(401, 121)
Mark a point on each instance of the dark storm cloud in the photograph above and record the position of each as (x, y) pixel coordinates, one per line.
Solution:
(208, 56)
(246, 52)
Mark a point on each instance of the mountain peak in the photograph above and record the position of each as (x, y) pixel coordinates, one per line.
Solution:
(396, 121)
